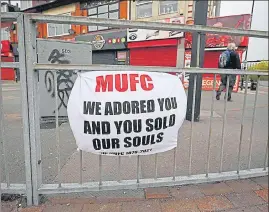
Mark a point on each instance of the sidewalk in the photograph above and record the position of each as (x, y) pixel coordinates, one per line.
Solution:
(248, 195)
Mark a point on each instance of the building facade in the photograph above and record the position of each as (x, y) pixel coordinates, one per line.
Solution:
(8, 29)
(113, 9)
(26, 4)
(108, 47)
(149, 10)
(146, 10)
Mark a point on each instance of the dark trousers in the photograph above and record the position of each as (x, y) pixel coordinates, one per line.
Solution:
(222, 88)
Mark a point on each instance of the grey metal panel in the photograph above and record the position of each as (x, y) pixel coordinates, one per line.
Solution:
(59, 52)
(104, 57)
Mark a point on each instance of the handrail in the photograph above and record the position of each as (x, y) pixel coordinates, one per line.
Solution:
(9, 16)
(85, 67)
(120, 23)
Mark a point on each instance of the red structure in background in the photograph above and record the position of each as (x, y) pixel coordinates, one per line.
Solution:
(7, 56)
(212, 62)
(216, 43)
(154, 53)
(216, 40)
(161, 52)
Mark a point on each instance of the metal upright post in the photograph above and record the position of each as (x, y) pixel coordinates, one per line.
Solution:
(1, 123)
(33, 101)
(197, 59)
(25, 109)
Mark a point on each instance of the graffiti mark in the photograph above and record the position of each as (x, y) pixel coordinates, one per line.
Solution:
(64, 81)
(64, 87)
(49, 83)
(55, 57)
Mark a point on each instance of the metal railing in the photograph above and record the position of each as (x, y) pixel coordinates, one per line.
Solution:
(8, 187)
(29, 69)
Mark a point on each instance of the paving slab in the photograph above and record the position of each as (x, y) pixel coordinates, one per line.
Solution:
(245, 199)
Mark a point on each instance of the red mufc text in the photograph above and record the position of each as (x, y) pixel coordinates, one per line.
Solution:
(123, 82)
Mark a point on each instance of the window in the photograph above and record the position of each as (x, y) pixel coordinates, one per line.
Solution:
(167, 7)
(3, 9)
(143, 9)
(58, 29)
(26, 4)
(193, 9)
(5, 35)
(108, 9)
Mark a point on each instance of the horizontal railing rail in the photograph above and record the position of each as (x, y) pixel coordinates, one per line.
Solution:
(10, 64)
(150, 182)
(9, 16)
(13, 188)
(136, 24)
(144, 25)
(70, 67)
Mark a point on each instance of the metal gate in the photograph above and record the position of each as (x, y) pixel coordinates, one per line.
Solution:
(29, 68)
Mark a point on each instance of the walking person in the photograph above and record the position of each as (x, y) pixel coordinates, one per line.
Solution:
(229, 59)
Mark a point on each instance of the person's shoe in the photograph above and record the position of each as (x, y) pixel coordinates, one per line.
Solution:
(229, 100)
(218, 96)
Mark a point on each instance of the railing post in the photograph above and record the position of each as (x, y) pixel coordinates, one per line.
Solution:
(197, 60)
(1, 125)
(25, 109)
(33, 101)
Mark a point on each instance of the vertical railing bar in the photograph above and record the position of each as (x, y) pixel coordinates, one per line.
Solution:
(210, 125)
(100, 170)
(1, 126)
(175, 164)
(253, 123)
(138, 169)
(80, 167)
(6, 167)
(193, 99)
(3, 140)
(224, 123)
(25, 109)
(119, 169)
(266, 155)
(57, 130)
(242, 125)
(192, 123)
(156, 166)
(33, 104)
(0, 167)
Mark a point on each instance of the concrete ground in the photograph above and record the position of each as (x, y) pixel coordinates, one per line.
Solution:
(249, 195)
(70, 157)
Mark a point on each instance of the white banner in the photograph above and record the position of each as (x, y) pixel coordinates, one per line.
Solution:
(148, 34)
(133, 113)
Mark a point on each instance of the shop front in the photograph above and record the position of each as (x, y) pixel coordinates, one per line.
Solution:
(216, 44)
(109, 47)
(153, 53)
(154, 47)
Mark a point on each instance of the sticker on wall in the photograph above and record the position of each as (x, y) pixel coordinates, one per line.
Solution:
(98, 42)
